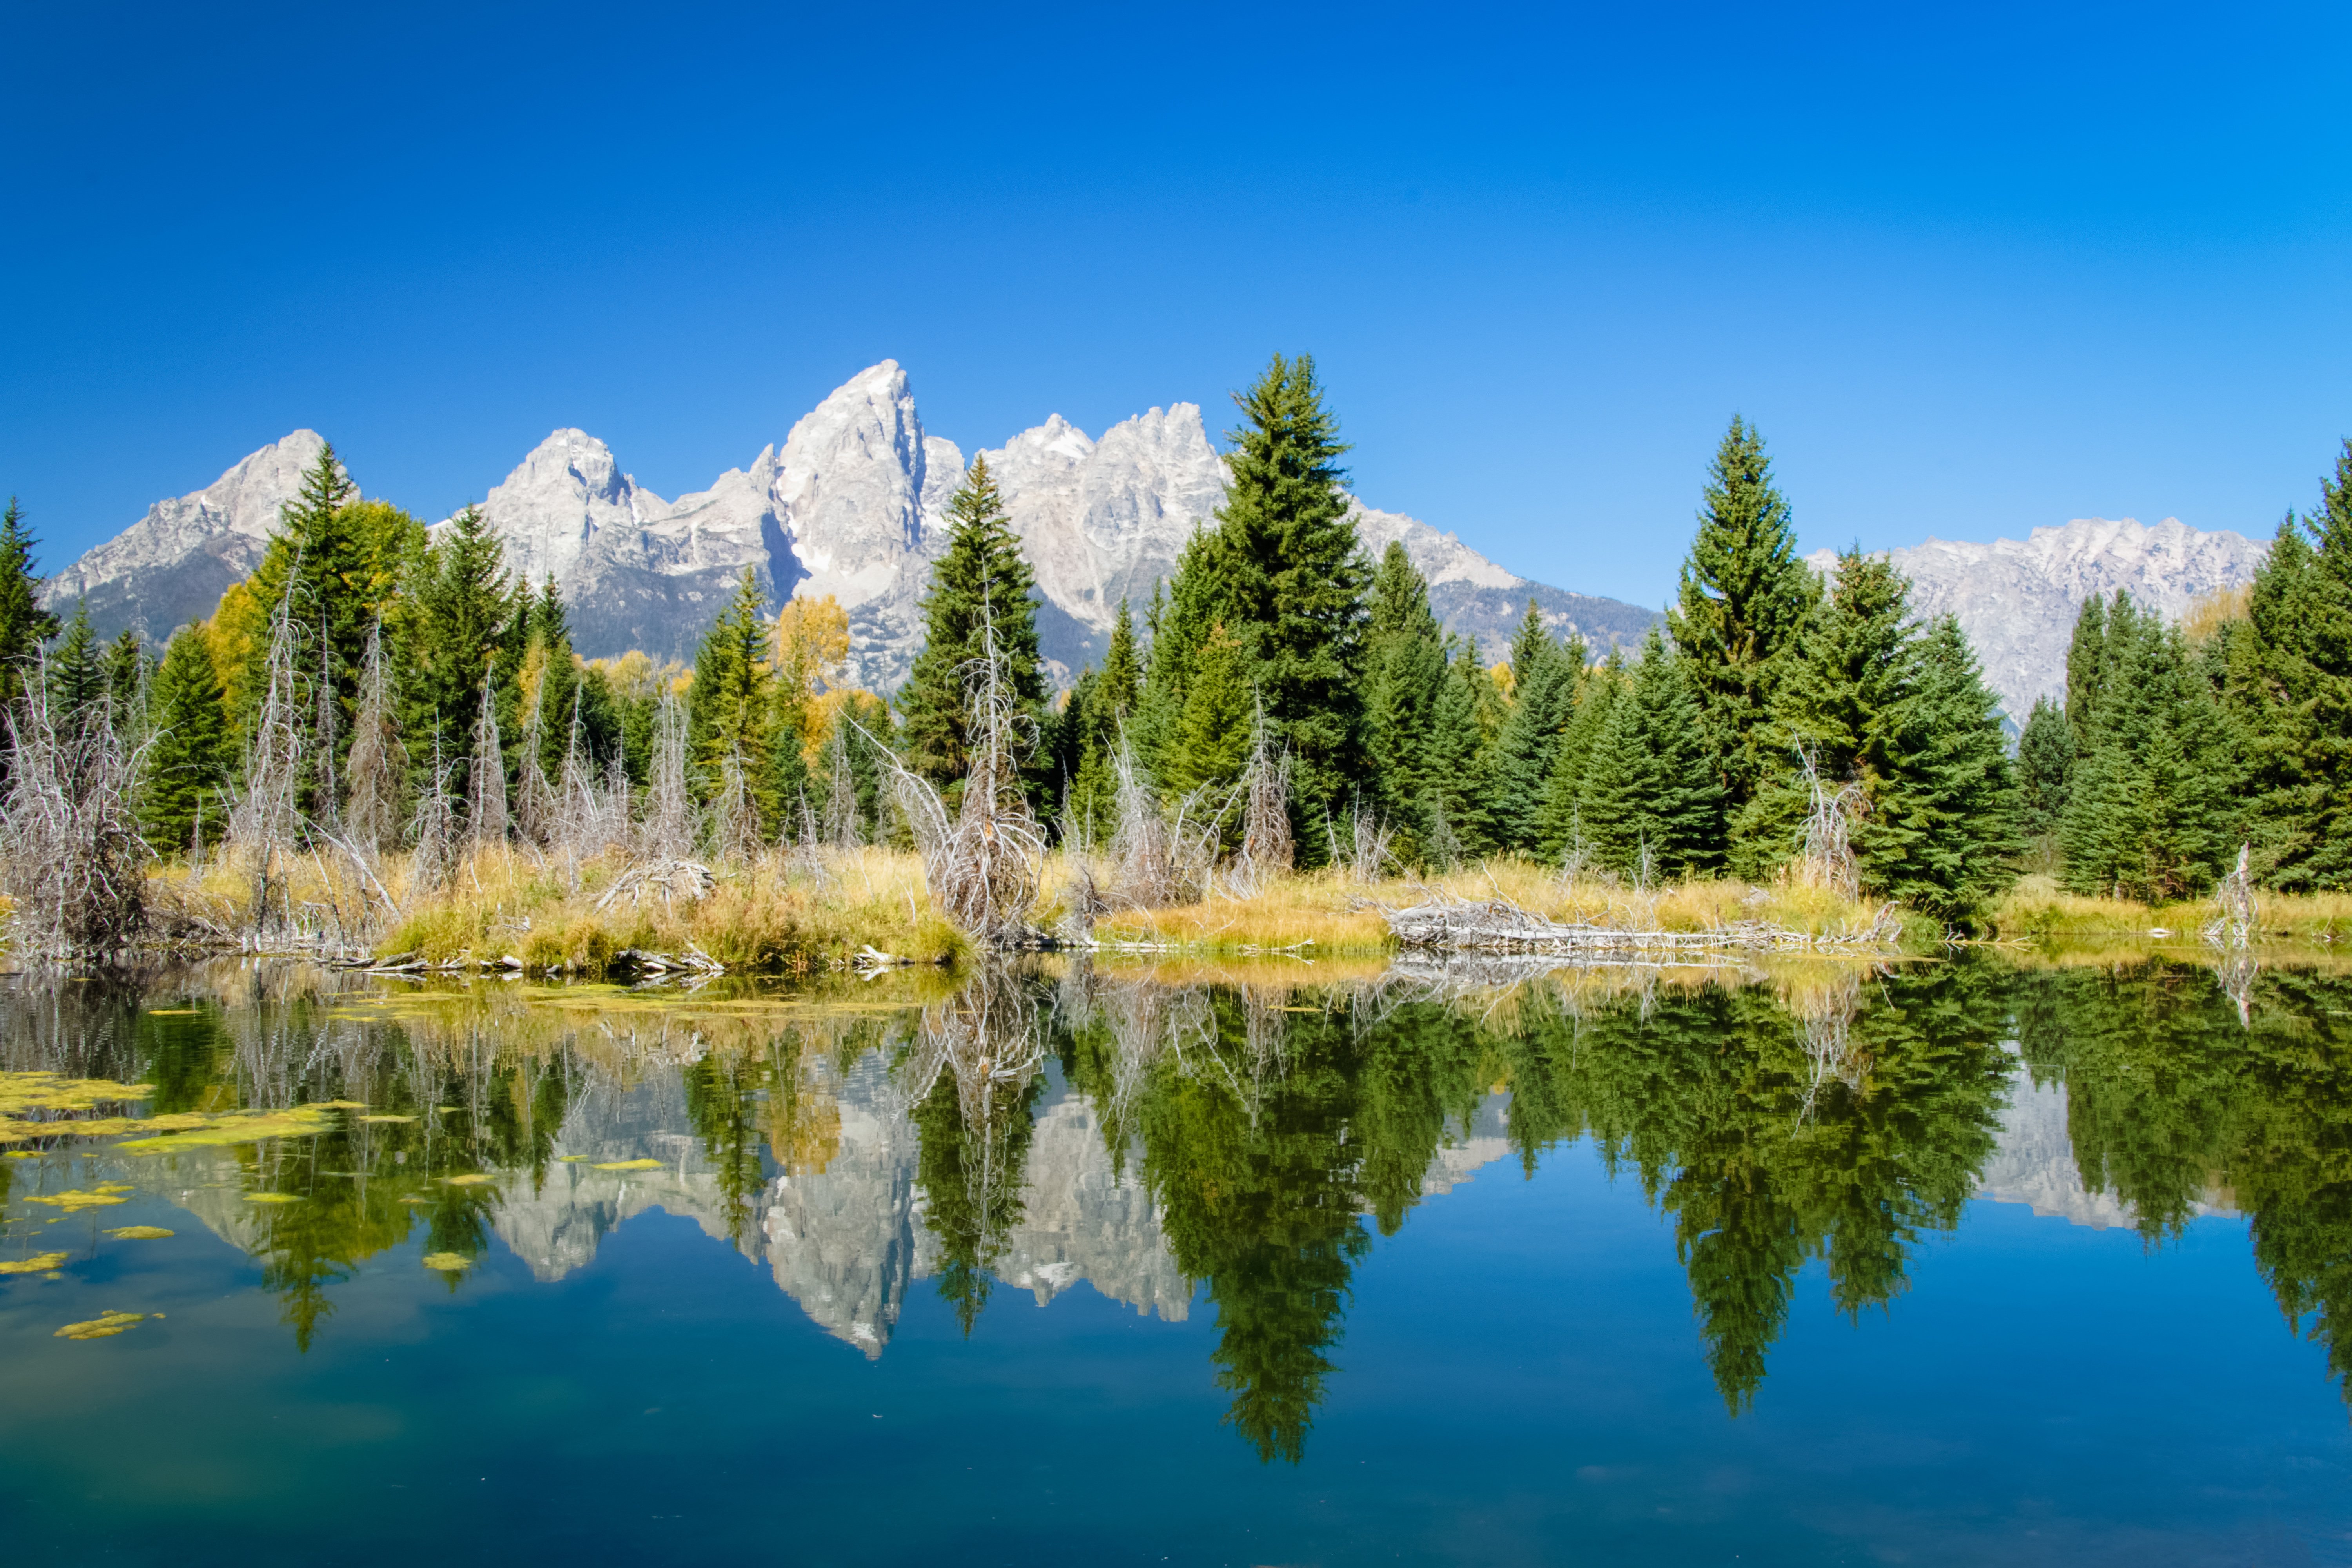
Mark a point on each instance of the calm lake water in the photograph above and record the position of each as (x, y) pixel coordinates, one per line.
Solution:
(1957, 1262)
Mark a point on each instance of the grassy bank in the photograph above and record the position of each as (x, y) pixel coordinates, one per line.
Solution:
(797, 914)
(2038, 910)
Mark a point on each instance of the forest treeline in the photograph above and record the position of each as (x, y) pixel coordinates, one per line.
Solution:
(412, 692)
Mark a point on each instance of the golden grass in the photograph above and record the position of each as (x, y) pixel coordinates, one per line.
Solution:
(1337, 916)
(2036, 909)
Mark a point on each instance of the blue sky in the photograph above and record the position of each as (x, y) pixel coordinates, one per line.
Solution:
(1971, 269)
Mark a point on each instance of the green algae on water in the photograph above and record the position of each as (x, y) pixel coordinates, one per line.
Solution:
(471, 1179)
(40, 1263)
(448, 1262)
(629, 1166)
(104, 1328)
(141, 1232)
(74, 1199)
(273, 1197)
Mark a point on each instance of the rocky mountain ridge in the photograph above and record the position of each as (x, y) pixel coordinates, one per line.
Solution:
(2018, 599)
(851, 503)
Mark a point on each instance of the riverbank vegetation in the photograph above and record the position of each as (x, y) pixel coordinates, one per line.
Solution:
(383, 744)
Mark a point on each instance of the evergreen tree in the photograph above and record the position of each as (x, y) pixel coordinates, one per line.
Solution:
(2046, 768)
(730, 708)
(1100, 712)
(2288, 676)
(464, 630)
(1744, 597)
(1650, 786)
(1544, 679)
(1844, 701)
(2085, 659)
(77, 671)
(1955, 793)
(1564, 835)
(1213, 737)
(1289, 581)
(24, 625)
(982, 578)
(2151, 814)
(1461, 755)
(1183, 610)
(189, 764)
(321, 558)
(126, 673)
(1405, 651)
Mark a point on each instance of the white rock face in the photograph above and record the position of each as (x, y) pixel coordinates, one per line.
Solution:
(2033, 1163)
(172, 566)
(851, 504)
(2018, 599)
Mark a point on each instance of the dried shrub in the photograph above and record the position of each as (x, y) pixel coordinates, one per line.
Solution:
(69, 843)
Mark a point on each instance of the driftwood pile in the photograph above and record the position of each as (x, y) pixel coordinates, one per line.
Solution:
(1498, 925)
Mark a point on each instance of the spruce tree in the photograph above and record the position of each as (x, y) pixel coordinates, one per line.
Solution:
(190, 760)
(1845, 699)
(320, 558)
(2152, 813)
(1405, 650)
(1564, 835)
(1743, 599)
(1953, 796)
(2287, 678)
(1288, 582)
(1650, 787)
(24, 625)
(126, 675)
(1544, 679)
(2046, 768)
(77, 672)
(463, 629)
(1098, 716)
(1183, 610)
(1213, 736)
(1461, 755)
(731, 708)
(981, 578)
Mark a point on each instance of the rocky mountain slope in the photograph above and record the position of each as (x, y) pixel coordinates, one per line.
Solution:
(851, 504)
(171, 566)
(2018, 599)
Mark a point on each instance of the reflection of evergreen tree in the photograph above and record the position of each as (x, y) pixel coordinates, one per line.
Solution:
(2170, 1097)
(1768, 1156)
(970, 1173)
(722, 1101)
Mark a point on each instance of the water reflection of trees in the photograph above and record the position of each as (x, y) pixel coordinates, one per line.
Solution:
(2182, 1090)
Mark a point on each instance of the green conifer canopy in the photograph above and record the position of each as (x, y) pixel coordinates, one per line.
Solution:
(981, 588)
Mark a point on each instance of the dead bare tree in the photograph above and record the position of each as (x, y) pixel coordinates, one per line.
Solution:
(841, 812)
(325, 793)
(2236, 914)
(70, 853)
(667, 831)
(265, 826)
(536, 811)
(734, 814)
(1267, 848)
(1825, 856)
(433, 828)
(378, 761)
(486, 818)
(984, 866)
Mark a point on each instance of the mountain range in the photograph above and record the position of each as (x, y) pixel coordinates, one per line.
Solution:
(852, 503)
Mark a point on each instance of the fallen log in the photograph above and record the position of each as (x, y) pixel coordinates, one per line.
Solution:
(1498, 925)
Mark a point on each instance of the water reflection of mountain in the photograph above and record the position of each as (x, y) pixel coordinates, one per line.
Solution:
(2033, 1163)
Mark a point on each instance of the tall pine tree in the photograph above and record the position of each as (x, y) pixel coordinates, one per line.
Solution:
(1649, 788)
(981, 579)
(1406, 649)
(1743, 600)
(24, 625)
(1289, 581)
(2045, 769)
(1544, 678)
(731, 708)
(189, 763)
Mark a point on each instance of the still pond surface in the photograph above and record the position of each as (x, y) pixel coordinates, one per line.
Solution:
(1955, 1262)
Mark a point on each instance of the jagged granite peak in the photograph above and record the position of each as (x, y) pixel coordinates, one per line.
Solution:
(172, 566)
(851, 504)
(2018, 599)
